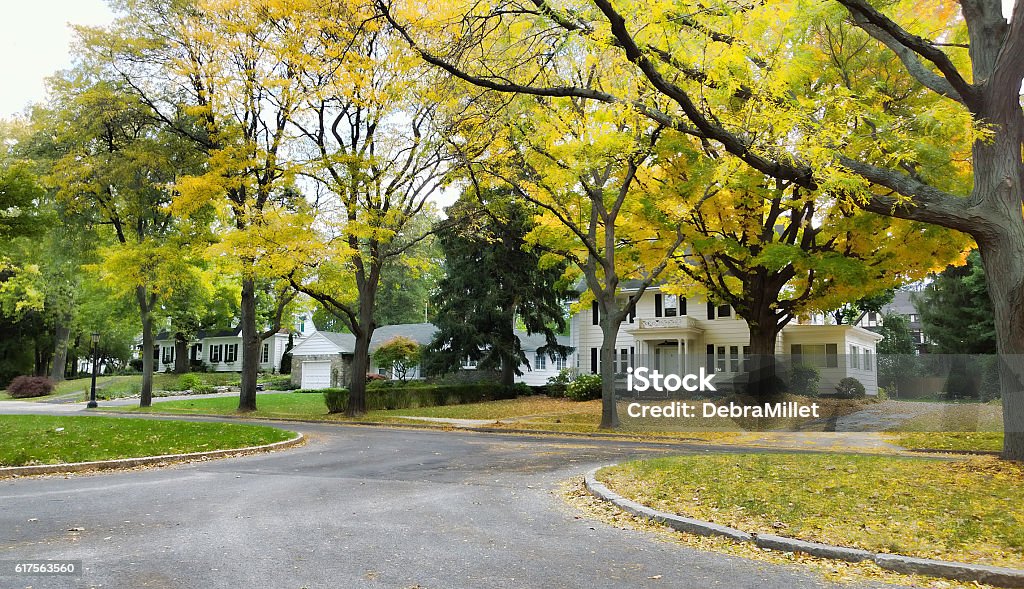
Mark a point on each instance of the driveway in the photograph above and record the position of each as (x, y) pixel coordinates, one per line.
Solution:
(358, 507)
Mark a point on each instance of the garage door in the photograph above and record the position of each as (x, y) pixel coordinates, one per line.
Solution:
(316, 375)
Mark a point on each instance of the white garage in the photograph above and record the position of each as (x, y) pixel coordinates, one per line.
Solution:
(316, 375)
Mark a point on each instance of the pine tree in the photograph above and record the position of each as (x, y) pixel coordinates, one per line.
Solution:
(492, 282)
(956, 311)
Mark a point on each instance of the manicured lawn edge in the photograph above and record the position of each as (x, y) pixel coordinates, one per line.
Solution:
(998, 576)
(124, 463)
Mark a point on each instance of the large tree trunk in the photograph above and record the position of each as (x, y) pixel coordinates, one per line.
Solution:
(1004, 273)
(60, 351)
(250, 346)
(998, 179)
(146, 393)
(762, 370)
(181, 359)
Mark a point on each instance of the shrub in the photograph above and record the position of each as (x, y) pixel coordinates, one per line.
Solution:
(850, 388)
(804, 380)
(136, 364)
(335, 399)
(557, 384)
(585, 387)
(194, 383)
(25, 387)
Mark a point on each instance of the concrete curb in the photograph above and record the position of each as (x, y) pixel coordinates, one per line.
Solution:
(19, 471)
(998, 576)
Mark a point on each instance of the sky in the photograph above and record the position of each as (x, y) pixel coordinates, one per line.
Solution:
(35, 42)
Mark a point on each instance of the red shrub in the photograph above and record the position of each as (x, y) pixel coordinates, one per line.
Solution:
(23, 387)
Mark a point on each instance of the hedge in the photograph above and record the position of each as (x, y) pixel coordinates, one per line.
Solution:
(405, 397)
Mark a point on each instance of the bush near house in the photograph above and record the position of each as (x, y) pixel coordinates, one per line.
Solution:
(850, 388)
(584, 387)
(804, 380)
(26, 387)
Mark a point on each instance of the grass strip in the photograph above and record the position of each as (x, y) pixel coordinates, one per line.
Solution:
(43, 439)
(969, 510)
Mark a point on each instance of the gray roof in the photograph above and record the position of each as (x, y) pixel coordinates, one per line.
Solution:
(901, 303)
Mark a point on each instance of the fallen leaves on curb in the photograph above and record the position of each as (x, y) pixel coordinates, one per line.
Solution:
(586, 505)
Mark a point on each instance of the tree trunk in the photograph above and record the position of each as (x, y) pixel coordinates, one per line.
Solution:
(762, 370)
(1004, 271)
(146, 393)
(250, 346)
(180, 353)
(508, 370)
(360, 363)
(60, 351)
(609, 333)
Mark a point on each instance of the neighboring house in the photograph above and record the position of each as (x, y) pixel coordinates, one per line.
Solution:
(324, 359)
(680, 335)
(221, 351)
(901, 305)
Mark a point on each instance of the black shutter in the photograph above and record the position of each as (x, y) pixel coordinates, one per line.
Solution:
(711, 310)
(711, 358)
(595, 313)
(632, 357)
(593, 360)
(682, 306)
(657, 305)
(632, 313)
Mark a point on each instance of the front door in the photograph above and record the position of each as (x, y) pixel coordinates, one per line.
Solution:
(667, 360)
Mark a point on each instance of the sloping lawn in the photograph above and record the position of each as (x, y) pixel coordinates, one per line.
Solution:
(969, 510)
(43, 439)
(954, 426)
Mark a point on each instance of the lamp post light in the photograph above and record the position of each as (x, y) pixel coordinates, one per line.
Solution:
(95, 363)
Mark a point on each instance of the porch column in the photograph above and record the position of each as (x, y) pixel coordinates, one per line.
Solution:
(679, 355)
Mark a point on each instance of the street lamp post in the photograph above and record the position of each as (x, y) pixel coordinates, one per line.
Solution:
(95, 363)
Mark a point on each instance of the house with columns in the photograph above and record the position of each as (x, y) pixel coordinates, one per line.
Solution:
(677, 334)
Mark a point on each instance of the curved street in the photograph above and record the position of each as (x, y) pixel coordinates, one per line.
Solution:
(359, 507)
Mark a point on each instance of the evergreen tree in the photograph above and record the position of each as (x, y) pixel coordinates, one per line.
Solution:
(492, 281)
(956, 311)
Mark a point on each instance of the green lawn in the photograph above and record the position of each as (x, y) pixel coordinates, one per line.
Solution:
(970, 510)
(290, 405)
(960, 426)
(37, 439)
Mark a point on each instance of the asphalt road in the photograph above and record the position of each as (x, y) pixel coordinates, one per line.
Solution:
(357, 507)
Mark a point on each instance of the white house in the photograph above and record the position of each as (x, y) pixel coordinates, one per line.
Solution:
(221, 351)
(323, 360)
(681, 335)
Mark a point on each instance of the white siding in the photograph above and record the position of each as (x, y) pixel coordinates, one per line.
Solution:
(315, 345)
